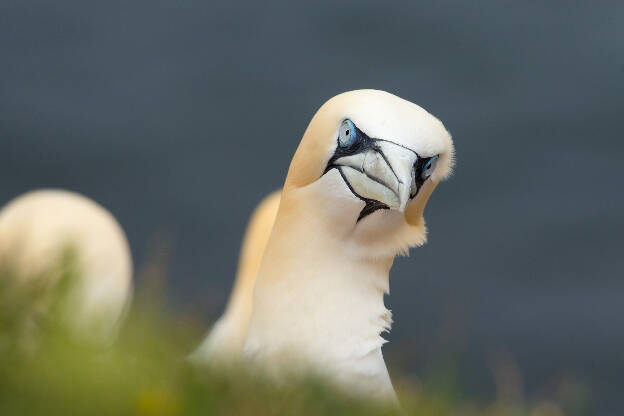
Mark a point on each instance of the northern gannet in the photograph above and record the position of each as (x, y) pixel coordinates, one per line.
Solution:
(37, 226)
(353, 199)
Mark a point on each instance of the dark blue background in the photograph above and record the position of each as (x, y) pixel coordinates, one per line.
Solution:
(180, 115)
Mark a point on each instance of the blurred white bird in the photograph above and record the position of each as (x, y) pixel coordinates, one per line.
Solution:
(38, 226)
(353, 199)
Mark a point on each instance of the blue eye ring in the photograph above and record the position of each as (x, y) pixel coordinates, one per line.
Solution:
(429, 167)
(347, 134)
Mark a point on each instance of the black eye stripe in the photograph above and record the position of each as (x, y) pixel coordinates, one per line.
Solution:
(361, 144)
(421, 163)
(420, 166)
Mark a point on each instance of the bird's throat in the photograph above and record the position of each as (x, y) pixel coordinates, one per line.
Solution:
(321, 306)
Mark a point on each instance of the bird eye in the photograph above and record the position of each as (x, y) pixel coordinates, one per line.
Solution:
(429, 167)
(347, 133)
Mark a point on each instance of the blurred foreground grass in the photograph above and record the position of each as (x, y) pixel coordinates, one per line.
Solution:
(47, 369)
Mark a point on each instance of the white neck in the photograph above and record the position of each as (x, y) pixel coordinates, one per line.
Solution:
(318, 303)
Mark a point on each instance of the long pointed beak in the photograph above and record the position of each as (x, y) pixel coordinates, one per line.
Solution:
(384, 174)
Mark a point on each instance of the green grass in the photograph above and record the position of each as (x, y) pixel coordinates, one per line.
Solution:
(47, 369)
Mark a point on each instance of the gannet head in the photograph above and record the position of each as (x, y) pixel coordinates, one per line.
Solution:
(370, 161)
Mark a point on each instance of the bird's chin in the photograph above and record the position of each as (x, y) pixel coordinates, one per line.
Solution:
(375, 194)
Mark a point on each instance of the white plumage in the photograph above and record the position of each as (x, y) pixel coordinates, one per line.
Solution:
(38, 226)
(350, 203)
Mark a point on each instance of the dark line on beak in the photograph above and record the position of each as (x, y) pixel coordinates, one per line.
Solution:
(372, 178)
(383, 156)
(371, 204)
(398, 144)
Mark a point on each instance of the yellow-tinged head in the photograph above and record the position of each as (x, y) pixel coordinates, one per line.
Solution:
(371, 160)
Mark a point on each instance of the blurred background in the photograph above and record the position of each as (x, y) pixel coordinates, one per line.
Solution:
(179, 116)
